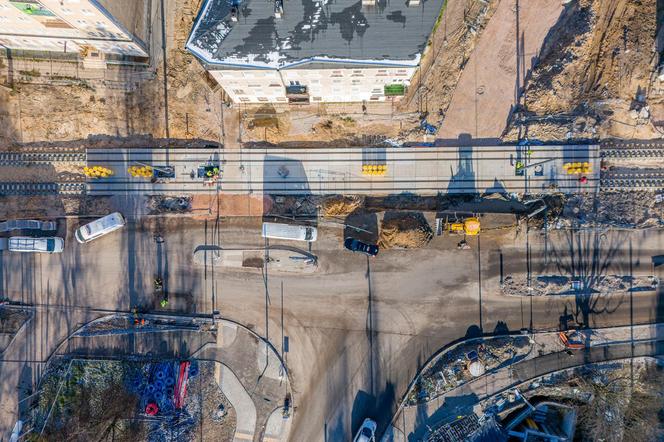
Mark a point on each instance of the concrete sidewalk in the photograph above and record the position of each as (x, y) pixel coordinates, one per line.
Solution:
(237, 395)
(412, 421)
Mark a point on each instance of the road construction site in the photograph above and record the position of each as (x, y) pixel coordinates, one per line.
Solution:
(515, 189)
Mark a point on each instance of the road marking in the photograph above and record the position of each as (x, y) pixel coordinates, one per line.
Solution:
(243, 436)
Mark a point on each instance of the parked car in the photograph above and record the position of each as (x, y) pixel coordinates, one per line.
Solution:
(367, 432)
(355, 245)
(289, 231)
(36, 245)
(100, 227)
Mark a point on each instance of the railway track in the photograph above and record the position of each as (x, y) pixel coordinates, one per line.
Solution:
(637, 180)
(29, 189)
(637, 150)
(28, 158)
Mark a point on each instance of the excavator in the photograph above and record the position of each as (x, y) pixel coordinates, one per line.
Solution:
(469, 226)
(466, 226)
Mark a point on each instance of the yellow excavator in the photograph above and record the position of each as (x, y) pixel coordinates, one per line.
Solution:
(469, 226)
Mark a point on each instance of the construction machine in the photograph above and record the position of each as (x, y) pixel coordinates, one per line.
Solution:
(469, 226)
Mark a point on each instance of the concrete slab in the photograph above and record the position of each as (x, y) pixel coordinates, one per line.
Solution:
(420, 170)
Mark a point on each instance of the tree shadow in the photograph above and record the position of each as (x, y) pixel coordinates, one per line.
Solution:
(587, 258)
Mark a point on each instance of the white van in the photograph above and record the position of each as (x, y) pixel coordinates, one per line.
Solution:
(289, 231)
(36, 245)
(100, 227)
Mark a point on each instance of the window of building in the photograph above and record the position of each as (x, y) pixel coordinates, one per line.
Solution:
(262, 99)
(294, 83)
(316, 99)
(282, 99)
(357, 81)
(244, 99)
(238, 91)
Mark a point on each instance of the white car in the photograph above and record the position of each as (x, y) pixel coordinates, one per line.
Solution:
(367, 432)
(36, 245)
(100, 227)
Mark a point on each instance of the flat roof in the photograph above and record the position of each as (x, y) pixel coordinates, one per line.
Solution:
(312, 31)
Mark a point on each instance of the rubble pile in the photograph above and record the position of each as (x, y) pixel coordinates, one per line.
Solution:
(166, 204)
(564, 285)
(615, 209)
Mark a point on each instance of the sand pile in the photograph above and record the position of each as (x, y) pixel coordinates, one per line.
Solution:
(407, 230)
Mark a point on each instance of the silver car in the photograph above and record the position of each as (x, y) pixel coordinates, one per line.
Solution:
(100, 227)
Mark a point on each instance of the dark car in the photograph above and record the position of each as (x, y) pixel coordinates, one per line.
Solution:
(355, 245)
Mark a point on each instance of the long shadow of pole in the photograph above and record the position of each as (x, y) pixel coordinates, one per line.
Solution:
(479, 281)
(370, 330)
(165, 66)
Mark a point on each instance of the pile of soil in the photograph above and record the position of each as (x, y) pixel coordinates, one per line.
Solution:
(340, 205)
(404, 230)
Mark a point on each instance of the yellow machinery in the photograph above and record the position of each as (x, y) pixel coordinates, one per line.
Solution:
(469, 226)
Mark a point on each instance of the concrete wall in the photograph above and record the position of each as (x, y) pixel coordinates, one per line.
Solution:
(324, 85)
(63, 25)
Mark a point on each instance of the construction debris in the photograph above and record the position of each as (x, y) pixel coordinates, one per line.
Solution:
(455, 367)
(567, 285)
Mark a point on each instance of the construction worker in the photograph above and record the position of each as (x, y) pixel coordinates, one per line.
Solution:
(463, 245)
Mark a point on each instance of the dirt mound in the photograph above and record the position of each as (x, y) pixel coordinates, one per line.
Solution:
(408, 231)
(340, 205)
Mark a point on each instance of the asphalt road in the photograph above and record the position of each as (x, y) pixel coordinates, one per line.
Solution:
(357, 329)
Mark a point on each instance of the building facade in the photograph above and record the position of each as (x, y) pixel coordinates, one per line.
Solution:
(64, 26)
(312, 50)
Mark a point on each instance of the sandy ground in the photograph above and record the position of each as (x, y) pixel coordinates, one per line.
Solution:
(490, 83)
(451, 45)
(42, 109)
(596, 75)
(594, 78)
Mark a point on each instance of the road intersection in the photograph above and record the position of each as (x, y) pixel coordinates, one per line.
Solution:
(358, 330)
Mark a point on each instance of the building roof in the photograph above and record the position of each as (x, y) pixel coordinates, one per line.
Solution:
(312, 30)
